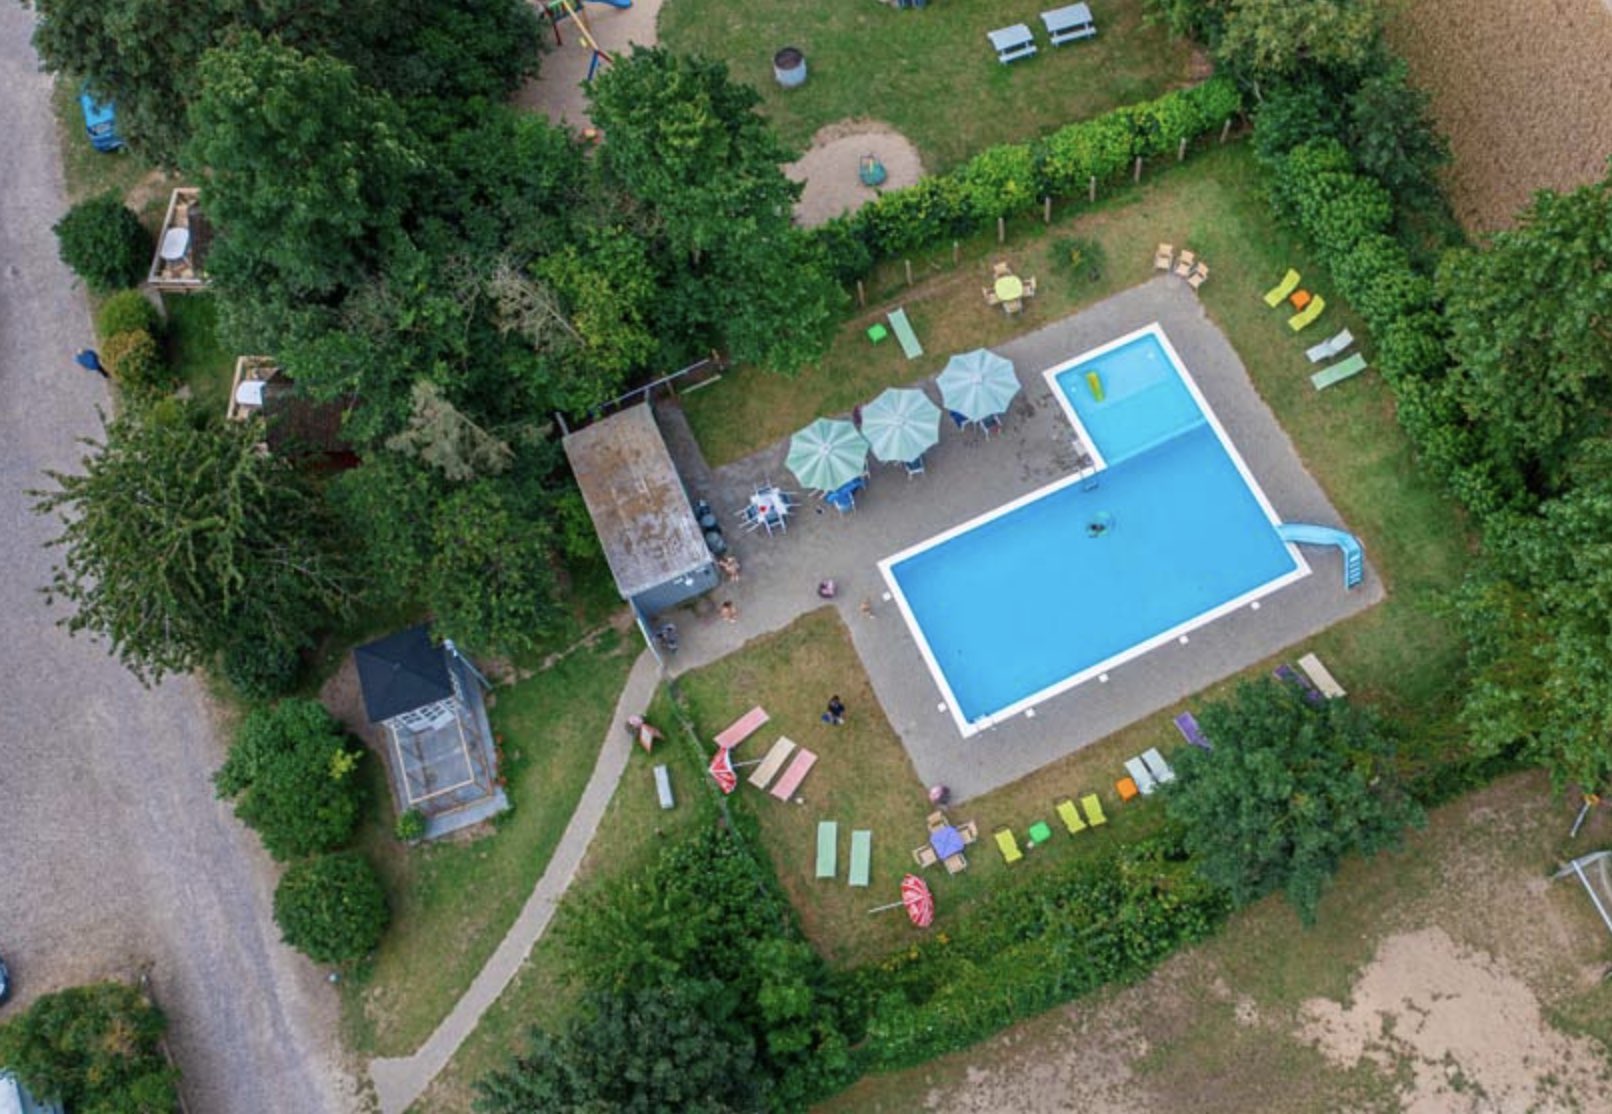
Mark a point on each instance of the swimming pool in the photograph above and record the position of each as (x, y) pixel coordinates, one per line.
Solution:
(1166, 532)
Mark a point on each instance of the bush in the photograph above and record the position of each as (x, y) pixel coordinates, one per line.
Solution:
(92, 1048)
(104, 243)
(332, 908)
(127, 311)
(290, 773)
(260, 670)
(135, 361)
(411, 825)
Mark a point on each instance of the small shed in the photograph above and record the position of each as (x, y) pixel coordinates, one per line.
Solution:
(439, 751)
(178, 265)
(653, 542)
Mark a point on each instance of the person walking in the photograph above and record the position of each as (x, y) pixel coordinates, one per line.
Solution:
(90, 360)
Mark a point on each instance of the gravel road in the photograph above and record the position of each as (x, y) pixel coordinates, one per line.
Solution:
(113, 852)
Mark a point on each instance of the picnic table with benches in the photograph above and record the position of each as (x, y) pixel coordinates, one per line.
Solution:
(1065, 25)
(1012, 43)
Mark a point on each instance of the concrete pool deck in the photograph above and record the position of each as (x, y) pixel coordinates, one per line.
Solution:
(967, 476)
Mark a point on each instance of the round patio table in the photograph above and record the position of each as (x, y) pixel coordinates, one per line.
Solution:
(1009, 288)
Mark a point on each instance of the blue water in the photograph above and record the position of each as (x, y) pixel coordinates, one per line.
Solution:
(1028, 599)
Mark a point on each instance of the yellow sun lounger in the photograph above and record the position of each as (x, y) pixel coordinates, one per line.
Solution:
(1070, 816)
(1308, 314)
(1008, 845)
(1289, 283)
(1094, 809)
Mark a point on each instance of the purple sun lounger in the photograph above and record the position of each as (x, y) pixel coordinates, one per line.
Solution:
(1187, 724)
(1289, 675)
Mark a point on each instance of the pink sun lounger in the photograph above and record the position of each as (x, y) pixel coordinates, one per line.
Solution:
(798, 769)
(742, 728)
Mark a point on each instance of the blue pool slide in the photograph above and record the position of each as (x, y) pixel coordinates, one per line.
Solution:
(1354, 561)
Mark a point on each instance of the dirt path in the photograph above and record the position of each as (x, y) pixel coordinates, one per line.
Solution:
(829, 168)
(559, 91)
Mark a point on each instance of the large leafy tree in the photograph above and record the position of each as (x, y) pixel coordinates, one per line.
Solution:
(292, 776)
(648, 1048)
(1266, 40)
(1534, 373)
(332, 908)
(303, 168)
(180, 537)
(94, 1049)
(1290, 788)
(687, 144)
(1393, 138)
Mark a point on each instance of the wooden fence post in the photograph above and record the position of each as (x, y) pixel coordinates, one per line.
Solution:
(1001, 230)
(1226, 130)
(1137, 176)
(1093, 189)
(1181, 154)
(908, 263)
(955, 253)
(1046, 209)
(861, 295)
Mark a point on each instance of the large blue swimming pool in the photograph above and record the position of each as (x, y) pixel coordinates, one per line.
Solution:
(1168, 532)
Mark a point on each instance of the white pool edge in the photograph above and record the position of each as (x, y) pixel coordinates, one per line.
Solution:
(969, 728)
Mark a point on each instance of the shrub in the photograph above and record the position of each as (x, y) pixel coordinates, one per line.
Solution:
(1078, 258)
(136, 362)
(92, 1048)
(104, 243)
(332, 908)
(411, 825)
(261, 670)
(127, 311)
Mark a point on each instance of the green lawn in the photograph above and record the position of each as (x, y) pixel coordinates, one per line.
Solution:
(89, 172)
(202, 363)
(931, 74)
(453, 901)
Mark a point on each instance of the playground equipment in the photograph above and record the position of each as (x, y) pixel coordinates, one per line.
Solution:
(871, 171)
(563, 9)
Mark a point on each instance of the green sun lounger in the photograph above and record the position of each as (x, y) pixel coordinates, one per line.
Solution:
(1307, 314)
(1289, 283)
(861, 857)
(828, 837)
(1338, 372)
(1094, 810)
(904, 334)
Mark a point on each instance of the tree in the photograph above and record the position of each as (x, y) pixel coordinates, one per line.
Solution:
(1267, 40)
(1290, 788)
(648, 1048)
(181, 538)
(332, 908)
(104, 243)
(94, 1049)
(1392, 136)
(687, 143)
(291, 774)
(304, 169)
(490, 584)
(1535, 374)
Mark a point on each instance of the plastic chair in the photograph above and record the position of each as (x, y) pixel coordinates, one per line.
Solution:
(914, 467)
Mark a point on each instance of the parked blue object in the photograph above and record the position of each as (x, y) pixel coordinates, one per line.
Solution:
(100, 121)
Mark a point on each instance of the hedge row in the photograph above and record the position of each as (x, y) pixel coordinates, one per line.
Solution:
(1031, 948)
(1345, 215)
(1013, 178)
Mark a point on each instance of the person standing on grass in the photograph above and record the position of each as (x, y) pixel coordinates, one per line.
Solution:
(90, 360)
(835, 716)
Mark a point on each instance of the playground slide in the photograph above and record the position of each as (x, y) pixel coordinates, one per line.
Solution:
(613, 3)
(1354, 561)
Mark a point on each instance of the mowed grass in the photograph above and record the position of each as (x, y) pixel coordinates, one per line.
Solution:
(1400, 655)
(931, 74)
(195, 353)
(630, 835)
(453, 901)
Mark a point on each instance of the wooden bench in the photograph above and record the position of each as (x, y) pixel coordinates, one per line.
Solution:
(1066, 25)
(1322, 677)
(828, 838)
(1011, 44)
(798, 769)
(861, 857)
(742, 728)
(663, 787)
(770, 765)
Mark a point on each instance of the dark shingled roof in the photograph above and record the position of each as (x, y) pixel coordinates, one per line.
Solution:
(637, 501)
(402, 672)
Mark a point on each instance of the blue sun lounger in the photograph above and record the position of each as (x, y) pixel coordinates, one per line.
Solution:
(1187, 724)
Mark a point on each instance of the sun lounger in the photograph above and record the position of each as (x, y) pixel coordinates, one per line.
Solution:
(1321, 676)
(1012, 43)
(742, 728)
(1184, 265)
(1288, 675)
(925, 856)
(1070, 816)
(1157, 766)
(1338, 372)
(1164, 257)
(1199, 276)
(828, 838)
(1308, 314)
(1008, 844)
(861, 857)
(1277, 294)
(904, 334)
(770, 765)
(1330, 347)
(1065, 25)
(1187, 724)
(1094, 810)
(663, 787)
(1139, 773)
(798, 769)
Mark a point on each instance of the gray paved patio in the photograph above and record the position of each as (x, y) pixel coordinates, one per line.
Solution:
(968, 476)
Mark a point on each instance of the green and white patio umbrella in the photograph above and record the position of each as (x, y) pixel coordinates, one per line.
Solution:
(901, 424)
(827, 454)
(978, 384)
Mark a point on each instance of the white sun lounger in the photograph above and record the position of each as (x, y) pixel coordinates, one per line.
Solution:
(1157, 766)
(1330, 347)
(1321, 676)
(1139, 774)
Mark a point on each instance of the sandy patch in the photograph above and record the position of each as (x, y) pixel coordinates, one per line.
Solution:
(1468, 1034)
(829, 168)
(558, 90)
